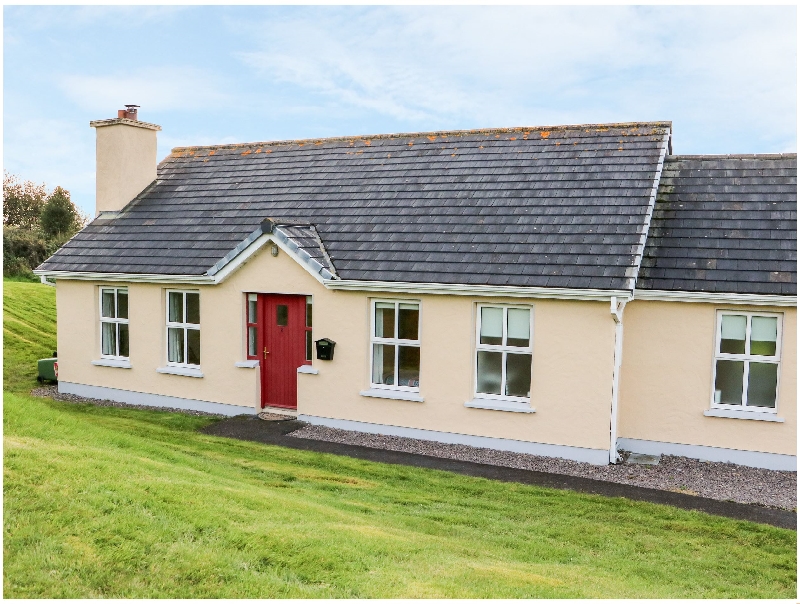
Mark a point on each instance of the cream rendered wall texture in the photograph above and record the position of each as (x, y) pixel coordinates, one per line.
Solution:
(126, 164)
(667, 374)
(573, 343)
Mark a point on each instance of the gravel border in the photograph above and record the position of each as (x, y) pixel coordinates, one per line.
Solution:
(52, 392)
(720, 481)
(715, 480)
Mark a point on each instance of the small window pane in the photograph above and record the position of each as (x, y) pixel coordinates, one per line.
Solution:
(309, 346)
(107, 309)
(175, 307)
(762, 384)
(763, 336)
(252, 345)
(175, 344)
(408, 366)
(122, 303)
(489, 372)
(518, 375)
(193, 346)
(193, 308)
(252, 305)
(734, 328)
(729, 382)
(282, 315)
(123, 340)
(383, 364)
(384, 320)
(109, 337)
(491, 326)
(408, 322)
(309, 308)
(519, 327)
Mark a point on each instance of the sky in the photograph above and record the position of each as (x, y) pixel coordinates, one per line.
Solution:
(725, 76)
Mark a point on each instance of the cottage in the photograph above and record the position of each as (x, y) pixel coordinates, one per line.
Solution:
(564, 291)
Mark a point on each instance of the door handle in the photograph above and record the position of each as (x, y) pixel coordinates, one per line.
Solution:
(266, 352)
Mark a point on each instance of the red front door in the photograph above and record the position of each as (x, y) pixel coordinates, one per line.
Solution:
(283, 347)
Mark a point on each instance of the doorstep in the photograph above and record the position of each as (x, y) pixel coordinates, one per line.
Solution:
(272, 411)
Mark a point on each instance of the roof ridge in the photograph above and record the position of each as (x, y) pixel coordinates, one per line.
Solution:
(736, 156)
(436, 133)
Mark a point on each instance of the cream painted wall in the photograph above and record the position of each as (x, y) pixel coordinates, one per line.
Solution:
(126, 164)
(667, 374)
(571, 374)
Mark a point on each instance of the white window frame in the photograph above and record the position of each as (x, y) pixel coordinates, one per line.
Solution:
(393, 341)
(184, 326)
(523, 401)
(747, 358)
(116, 320)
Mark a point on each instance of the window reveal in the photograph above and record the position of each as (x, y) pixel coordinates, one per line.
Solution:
(114, 340)
(504, 353)
(746, 361)
(183, 328)
(395, 345)
(252, 326)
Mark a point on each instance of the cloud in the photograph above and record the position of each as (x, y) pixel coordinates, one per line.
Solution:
(53, 151)
(537, 65)
(156, 89)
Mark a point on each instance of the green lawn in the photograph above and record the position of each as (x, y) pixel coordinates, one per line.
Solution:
(105, 502)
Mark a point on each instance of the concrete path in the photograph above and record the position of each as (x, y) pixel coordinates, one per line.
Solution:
(275, 433)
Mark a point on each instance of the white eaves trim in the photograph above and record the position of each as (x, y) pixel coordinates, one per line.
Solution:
(232, 261)
(477, 290)
(127, 277)
(715, 297)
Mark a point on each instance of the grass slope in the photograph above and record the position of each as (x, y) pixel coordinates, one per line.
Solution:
(105, 502)
(29, 331)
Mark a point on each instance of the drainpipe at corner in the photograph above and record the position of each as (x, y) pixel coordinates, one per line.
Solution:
(617, 308)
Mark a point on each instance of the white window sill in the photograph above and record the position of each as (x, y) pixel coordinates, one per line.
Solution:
(763, 416)
(252, 364)
(119, 363)
(483, 403)
(307, 369)
(184, 371)
(397, 395)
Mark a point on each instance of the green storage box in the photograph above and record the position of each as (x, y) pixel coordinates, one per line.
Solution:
(48, 369)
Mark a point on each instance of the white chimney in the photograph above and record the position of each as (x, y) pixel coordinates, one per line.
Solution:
(126, 158)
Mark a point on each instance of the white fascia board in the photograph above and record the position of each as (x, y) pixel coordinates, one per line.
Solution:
(478, 290)
(127, 277)
(633, 272)
(715, 297)
(231, 262)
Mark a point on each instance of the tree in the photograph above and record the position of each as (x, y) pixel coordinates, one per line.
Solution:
(60, 218)
(23, 202)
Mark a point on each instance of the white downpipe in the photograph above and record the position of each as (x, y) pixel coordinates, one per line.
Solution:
(617, 309)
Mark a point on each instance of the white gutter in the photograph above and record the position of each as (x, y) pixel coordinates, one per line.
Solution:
(476, 290)
(617, 308)
(715, 297)
(128, 277)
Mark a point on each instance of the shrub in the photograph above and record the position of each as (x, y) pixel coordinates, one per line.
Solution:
(24, 250)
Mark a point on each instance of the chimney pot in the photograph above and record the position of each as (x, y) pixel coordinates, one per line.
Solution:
(131, 112)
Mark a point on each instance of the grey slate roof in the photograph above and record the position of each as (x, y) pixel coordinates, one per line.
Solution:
(724, 224)
(550, 207)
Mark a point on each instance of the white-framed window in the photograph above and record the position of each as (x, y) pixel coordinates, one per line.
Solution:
(183, 328)
(747, 361)
(114, 342)
(503, 353)
(395, 348)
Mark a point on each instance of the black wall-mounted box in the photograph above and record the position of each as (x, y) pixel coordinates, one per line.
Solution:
(325, 348)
